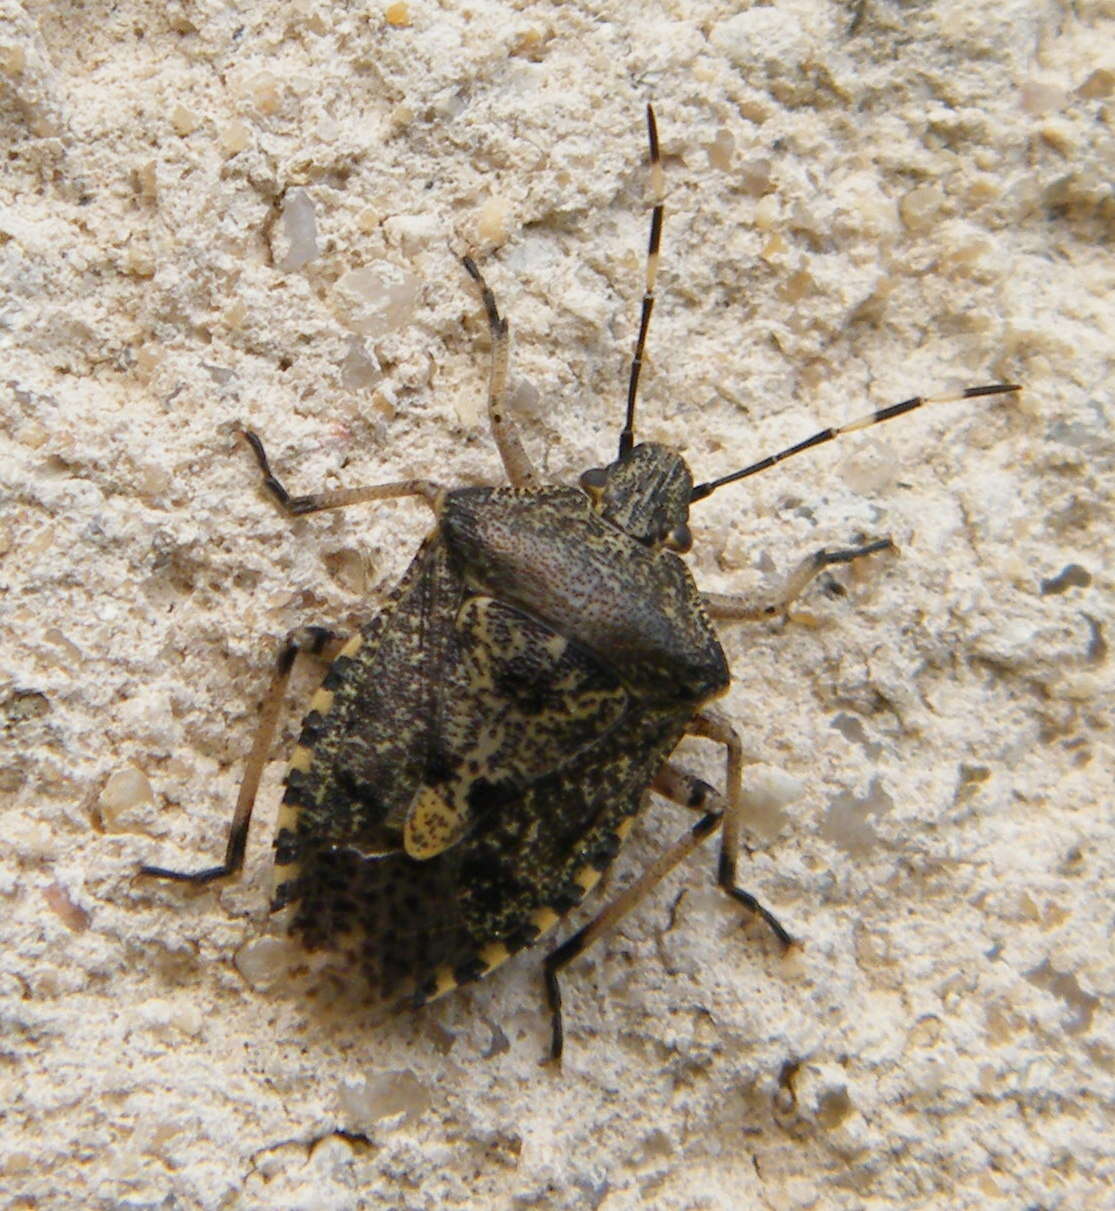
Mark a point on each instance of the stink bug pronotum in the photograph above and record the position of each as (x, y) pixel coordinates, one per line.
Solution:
(477, 751)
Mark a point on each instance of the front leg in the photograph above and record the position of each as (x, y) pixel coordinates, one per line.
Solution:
(296, 506)
(734, 608)
(516, 461)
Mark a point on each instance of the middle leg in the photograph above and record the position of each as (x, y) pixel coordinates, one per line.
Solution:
(672, 781)
(340, 498)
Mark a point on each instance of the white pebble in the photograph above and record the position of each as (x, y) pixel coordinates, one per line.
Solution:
(126, 788)
(300, 229)
(378, 298)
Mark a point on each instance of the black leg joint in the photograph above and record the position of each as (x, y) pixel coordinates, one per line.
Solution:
(188, 876)
(726, 877)
(320, 636)
(699, 791)
(554, 961)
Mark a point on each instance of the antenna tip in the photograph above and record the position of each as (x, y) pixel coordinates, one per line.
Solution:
(993, 389)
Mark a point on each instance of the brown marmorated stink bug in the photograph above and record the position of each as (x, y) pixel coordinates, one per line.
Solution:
(478, 751)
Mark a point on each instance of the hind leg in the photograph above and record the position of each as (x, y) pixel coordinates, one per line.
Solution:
(314, 641)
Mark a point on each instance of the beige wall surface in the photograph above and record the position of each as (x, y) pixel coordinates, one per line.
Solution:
(216, 212)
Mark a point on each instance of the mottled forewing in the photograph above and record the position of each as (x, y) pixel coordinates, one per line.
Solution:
(460, 713)
(564, 832)
(449, 706)
(445, 770)
(376, 741)
(516, 702)
(422, 926)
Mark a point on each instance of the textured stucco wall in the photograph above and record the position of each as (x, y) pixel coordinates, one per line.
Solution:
(854, 216)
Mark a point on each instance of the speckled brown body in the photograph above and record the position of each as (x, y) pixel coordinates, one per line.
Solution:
(534, 668)
(476, 753)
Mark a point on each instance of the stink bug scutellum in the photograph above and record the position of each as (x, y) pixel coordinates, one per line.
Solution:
(478, 750)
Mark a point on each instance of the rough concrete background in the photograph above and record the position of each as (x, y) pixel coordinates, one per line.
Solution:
(220, 211)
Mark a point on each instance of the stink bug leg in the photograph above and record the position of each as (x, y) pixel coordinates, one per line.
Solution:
(515, 459)
(689, 791)
(314, 641)
(732, 608)
(296, 506)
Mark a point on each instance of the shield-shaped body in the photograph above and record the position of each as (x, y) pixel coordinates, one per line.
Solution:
(487, 738)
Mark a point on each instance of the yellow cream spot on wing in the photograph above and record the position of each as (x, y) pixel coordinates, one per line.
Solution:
(544, 919)
(556, 647)
(322, 701)
(288, 817)
(494, 954)
(301, 757)
(284, 874)
(624, 827)
(587, 877)
(432, 825)
(444, 981)
(352, 646)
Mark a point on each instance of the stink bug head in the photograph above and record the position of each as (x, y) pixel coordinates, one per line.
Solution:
(646, 493)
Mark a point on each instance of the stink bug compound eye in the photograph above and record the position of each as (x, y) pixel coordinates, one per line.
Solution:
(479, 749)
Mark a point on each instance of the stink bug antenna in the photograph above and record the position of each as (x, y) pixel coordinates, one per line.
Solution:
(658, 192)
(864, 422)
